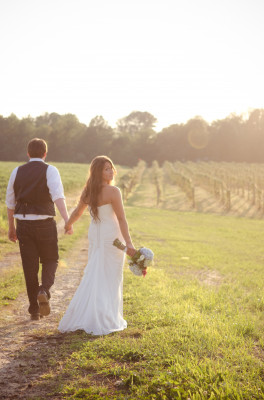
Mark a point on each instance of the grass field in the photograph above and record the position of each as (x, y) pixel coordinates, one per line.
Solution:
(195, 322)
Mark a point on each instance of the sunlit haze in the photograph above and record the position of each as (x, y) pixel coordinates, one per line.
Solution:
(174, 59)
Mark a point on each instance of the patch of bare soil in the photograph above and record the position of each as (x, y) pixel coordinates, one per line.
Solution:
(243, 207)
(258, 352)
(205, 276)
(205, 202)
(21, 339)
(208, 277)
(10, 259)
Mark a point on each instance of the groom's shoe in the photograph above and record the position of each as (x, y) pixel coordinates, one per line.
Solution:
(43, 300)
(35, 316)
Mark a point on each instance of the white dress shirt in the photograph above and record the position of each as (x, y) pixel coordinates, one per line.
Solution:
(54, 185)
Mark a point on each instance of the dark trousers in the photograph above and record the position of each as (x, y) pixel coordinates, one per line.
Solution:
(38, 243)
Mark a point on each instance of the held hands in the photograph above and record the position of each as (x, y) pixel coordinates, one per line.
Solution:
(68, 229)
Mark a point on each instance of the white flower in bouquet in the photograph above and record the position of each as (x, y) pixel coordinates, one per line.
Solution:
(147, 263)
(148, 254)
(140, 261)
(135, 269)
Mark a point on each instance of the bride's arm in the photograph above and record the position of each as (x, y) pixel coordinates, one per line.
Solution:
(75, 215)
(118, 208)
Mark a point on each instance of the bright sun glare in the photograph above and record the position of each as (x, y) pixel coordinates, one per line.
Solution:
(173, 59)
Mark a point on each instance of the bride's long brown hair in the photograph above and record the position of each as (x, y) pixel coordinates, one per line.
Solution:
(94, 184)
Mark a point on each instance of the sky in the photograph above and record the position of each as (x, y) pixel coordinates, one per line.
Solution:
(175, 59)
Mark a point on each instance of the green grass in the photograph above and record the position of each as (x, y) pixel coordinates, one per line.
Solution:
(195, 322)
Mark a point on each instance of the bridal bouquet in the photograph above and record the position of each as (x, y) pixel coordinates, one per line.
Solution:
(140, 261)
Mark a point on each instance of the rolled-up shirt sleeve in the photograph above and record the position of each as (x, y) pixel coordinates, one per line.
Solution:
(10, 194)
(54, 183)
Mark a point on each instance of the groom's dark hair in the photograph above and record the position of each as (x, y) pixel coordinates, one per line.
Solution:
(37, 148)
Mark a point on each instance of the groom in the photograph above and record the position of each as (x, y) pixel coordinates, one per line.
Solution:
(32, 190)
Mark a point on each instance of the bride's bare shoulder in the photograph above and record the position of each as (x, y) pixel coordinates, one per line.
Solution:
(115, 191)
(110, 194)
(111, 189)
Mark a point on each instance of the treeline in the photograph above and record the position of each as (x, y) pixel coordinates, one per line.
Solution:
(134, 137)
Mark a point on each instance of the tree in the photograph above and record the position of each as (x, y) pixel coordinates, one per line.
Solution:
(254, 136)
(170, 144)
(226, 136)
(99, 122)
(135, 122)
(197, 134)
(233, 138)
(65, 130)
(11, 148)
(96, 139)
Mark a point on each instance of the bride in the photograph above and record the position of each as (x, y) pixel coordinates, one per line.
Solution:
(97, 305)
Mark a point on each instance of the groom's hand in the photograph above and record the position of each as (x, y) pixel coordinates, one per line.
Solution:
(68, 230)
(12, 235)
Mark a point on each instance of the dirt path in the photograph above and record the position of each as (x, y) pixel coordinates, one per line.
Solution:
(19, 335)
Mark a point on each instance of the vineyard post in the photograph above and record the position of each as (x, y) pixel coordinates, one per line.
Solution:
(259, 195)
(243, 188)
(253, 193)
(228, 200)
(193, 197)
(248, 185)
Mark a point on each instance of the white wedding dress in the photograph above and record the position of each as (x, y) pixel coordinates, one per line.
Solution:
(97, 305)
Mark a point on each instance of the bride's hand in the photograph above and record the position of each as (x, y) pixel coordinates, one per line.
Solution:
(131, 251)
(68, 229)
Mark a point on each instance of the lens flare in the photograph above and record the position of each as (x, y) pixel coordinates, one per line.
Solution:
(198, 139)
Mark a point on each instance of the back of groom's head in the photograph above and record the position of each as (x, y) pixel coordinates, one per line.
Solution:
(37, 148)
